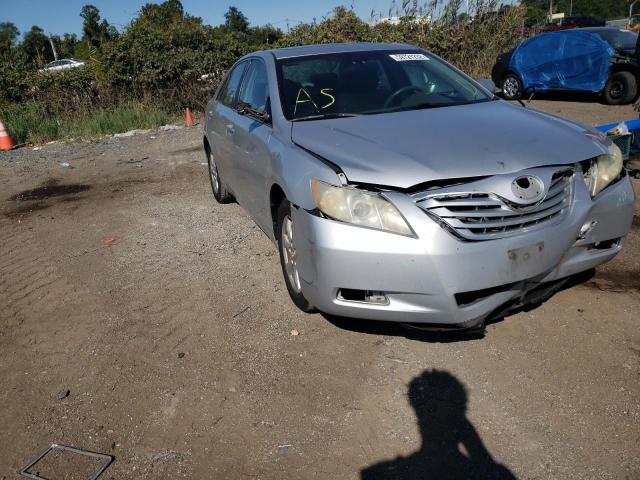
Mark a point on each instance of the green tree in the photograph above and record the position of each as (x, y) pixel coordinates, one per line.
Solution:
(267, 35)
(35, 47)
(8, 36)
(160, 48)
(95, 32)
(67, 45)
(90, 25)
(158, 14)
(343, 26)
(235, 20)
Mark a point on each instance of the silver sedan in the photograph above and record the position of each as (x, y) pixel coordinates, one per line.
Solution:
(397, 188)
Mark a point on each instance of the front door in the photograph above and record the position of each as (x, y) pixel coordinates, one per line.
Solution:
(252, 138)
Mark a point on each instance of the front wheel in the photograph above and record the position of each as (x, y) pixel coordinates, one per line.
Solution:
(285, 232)
(511, 87)
(621, 88)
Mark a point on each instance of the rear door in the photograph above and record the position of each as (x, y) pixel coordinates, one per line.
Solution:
(221, 118)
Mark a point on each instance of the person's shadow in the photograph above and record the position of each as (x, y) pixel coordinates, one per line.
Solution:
(451, 447)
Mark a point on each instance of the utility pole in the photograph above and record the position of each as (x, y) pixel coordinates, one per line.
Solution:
(571, 8)
(53, 47)
(631, 7)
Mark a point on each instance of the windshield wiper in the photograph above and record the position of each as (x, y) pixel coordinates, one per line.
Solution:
(325, 116)
(419, 106)
(424, 106)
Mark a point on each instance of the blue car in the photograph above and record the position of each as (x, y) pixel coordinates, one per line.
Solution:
(596, 60)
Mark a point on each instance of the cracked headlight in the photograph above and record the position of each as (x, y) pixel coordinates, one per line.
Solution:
(603, 170)
(356, 207)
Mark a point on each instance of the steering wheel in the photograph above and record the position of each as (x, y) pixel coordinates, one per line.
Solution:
(394, 96)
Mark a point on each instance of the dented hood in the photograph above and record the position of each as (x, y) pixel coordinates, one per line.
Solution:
(407, 148)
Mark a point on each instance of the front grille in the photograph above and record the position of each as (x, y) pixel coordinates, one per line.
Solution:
(486, 216)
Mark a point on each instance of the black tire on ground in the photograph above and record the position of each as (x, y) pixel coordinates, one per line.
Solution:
(220, 192)
(286, 247)
(511, 87)
(621, 88)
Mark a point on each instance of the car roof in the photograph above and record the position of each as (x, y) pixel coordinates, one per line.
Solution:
(305, 50)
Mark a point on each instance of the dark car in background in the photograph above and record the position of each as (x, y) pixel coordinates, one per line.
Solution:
(597, 59)
(580, 22)
(566, 23)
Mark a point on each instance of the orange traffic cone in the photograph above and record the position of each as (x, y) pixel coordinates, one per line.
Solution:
(5, 140)
(188, 119)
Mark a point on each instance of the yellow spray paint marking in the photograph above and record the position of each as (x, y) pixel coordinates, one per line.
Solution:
(325, 92)
(308, 99)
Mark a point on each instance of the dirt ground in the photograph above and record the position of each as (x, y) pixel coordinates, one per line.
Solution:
(140, 319)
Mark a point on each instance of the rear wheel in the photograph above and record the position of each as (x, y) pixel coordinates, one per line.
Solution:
(220, 192)
(511, 87)
(621, 88)
(285, 233)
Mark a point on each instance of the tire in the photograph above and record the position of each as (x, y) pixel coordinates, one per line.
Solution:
(220, 192)
(621, 88)
(286, 248)
(511, 87)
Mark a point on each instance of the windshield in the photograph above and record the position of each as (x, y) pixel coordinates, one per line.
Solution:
(359, 83)
(619, 39)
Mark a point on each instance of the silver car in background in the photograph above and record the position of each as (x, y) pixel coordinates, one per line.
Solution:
(61, 65)
(397, 188)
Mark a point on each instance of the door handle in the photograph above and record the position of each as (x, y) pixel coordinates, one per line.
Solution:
(230, 129)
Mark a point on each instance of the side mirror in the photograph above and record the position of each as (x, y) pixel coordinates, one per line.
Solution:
(488, 84)
(244, 108)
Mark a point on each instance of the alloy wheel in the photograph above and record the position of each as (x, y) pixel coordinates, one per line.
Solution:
(213, 171)
(510, 87)
(616, 90)
(289, 254)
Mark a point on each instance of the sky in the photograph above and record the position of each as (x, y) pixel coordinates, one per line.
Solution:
(60, 16)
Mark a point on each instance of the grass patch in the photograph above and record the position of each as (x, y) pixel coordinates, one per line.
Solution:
(28, 119)
(33, 122)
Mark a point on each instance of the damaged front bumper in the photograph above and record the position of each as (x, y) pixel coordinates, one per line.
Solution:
(438, 279)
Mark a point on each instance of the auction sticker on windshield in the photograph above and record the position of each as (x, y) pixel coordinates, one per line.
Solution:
(406, 57)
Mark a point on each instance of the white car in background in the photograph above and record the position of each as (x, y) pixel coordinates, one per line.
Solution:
(64, 64)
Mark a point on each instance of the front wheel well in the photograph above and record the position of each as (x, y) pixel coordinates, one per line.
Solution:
(509, 72)
(624, 67)
(276, 196)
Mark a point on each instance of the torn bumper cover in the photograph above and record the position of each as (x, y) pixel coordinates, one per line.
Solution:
(440, 278)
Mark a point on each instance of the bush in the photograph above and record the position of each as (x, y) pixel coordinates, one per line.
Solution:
(471, 46)
(153, 69)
